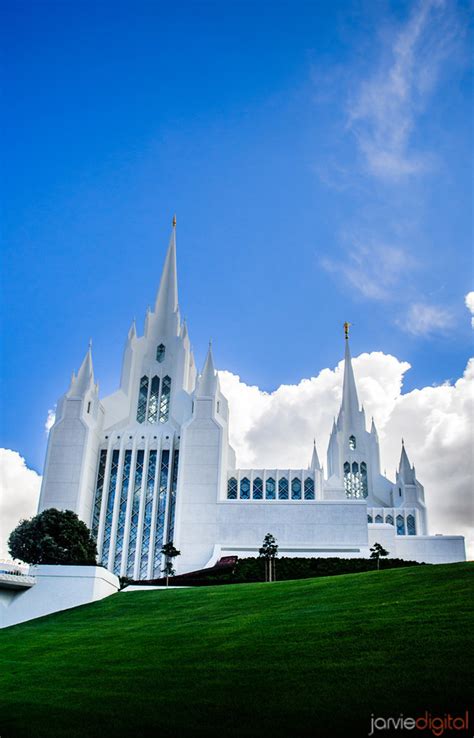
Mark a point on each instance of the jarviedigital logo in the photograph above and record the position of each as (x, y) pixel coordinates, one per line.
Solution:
(438, 725)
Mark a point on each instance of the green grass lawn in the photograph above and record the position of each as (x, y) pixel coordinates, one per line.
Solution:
(313, 657)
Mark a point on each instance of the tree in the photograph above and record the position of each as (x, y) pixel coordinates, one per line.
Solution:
(53, 537)
(377, 551)
(169, 552)
(269, 552)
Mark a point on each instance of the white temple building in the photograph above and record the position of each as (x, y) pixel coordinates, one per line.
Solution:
(152, 463)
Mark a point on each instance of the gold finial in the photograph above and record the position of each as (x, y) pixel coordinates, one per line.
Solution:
(346, 329)
(174, 221)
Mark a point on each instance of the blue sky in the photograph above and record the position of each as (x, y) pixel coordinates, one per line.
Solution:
(318, 157)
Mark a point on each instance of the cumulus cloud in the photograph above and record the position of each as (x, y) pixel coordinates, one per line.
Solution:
(423, 319)
(277, 429)
(469, 300)
(19, 494)
(384, 110)
(49, 422)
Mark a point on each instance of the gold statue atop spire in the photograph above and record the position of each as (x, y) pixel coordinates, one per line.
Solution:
(174, 221)
(346, 329)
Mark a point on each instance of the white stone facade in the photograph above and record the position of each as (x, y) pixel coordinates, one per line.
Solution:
(152, 463)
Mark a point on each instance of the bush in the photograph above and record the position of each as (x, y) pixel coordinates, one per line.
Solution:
(53, 537)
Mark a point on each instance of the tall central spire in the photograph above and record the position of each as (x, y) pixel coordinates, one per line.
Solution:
(167, 296)
(350, 402)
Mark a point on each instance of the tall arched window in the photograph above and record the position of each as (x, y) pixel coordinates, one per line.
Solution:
(270, 489)
(309, 488)
(378, 519)
(400, 525)
(257, 489)
(142, 399)
(369, 518)
(245, 489)
(160, 353)
(283, 488)
(355, 480)
(411, 527)
(295, 489)
(389, 519)
(352, 443)
(232, 489)
(165, 399)
(153, 401)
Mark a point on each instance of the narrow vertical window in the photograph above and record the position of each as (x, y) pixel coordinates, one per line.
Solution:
(257, 489)
(283, 488)
(352, 443)
(98, 493)
(160, 513)
(378, 519)
(137, 486)
(245, 489)
(122, 512)
(295, 489)
(165, 399)
(270, 489)
(309, 488)
(232, 489)
(142, 399)
(110, 507)
(411, 527)
(88, 407)
(369, 518)
(160, 353)
(400, 525)
(153, 401)
(150, 483)
(172, 505)
(389, 520)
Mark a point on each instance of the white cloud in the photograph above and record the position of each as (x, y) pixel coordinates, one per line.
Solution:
(19, 494)
(469, 300)
(372, 269)
(385, 107)
(423, 319)
(50, 420)
(276, 429)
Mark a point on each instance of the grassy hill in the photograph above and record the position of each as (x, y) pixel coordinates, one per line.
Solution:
(298, 658)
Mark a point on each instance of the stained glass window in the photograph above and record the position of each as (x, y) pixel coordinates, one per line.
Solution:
(142, 399)
(132, 541)
(150, 483)
(160, 353)
(165, 399)
(98, 493)
(309, 488)
(389, 519)
(174, 485)
(257, 489)
(355, 481)
(232, 489)
(270, 489)
(296, 489)
(122, 511)
(369, 518)
(283, 488)
(411, 527)
(160, 513)
(352, 443)
(378, 519)
(110, 507)
(153, 401)
(400, 525)
(245, 489)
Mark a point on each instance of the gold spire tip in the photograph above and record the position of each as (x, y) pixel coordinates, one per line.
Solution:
(346, 329)
(174, 221)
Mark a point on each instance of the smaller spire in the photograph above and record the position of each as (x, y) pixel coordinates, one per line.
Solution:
(208, 381)
(314, 458)
(373, 429)
(132, 333)
(85, 376)
(405, 471)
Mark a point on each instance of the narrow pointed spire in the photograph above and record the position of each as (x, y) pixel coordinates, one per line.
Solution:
(373, 429)
(350, 402)
(85, 376)
(315, 459)
(167, 296)
(132, 333)
(208, 381)
(405, 471)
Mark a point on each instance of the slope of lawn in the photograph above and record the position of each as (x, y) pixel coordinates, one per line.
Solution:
(313, 657)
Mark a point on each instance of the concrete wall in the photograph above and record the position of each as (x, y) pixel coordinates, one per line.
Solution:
(56, 588)
(430, 549)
